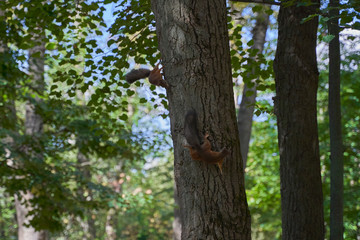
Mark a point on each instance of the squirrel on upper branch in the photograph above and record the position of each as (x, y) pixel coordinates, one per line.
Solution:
(201, 152)
(154, 76)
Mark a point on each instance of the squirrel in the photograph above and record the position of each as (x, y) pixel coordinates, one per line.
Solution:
(201, 152)
(154, 76)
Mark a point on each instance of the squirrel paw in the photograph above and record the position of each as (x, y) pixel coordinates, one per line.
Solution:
(156, 78)
(220, 166)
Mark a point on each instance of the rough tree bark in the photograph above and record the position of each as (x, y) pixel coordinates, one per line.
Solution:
(194, 45)
(296, 80)
(247, 105)
(33, 128)
(336, 144)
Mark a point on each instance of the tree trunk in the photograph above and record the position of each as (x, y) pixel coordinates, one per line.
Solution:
(194, 44)
(89, 225)
(33, 127)
(110, 225)
(26, 233)
(296, 80)
(177, 217)
(336, 144)
(246, 110)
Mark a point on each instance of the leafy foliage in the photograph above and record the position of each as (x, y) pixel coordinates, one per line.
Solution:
(262, 181)
(244, 65)
(57, 179)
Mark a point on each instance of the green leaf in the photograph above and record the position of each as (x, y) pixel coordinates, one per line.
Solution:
(84, 89)
(21, 58)
(72, 72)
(130, 92)
(106, 89)
(118, 92)
(257, 8)
(110, 42)
(249, 93)
(78, 81)
(87, 74)
(71, 94)
(53, 87)
(346, 19)
(165, 103)
(261, 87)
(36, 54)
(272, 87)
(124, 117)
(25, 46)
(269, 11)
(308, 18)
(328, 38)
(51, 46)
(70, 82)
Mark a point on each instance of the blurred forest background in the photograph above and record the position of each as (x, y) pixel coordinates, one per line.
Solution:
(95, 154)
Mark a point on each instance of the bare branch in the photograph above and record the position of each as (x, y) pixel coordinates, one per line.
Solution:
(259, 1)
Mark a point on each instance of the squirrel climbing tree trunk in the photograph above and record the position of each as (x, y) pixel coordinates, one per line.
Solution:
(194, 45)
(296, 81)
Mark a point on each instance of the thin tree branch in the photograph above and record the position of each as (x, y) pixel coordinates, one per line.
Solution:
(259, 1)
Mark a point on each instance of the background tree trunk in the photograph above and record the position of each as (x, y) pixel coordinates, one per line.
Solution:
(26, 233)
(247, 105)
(177, 217)
(33, 127)
(111, 224)
(194, 44)
(89, 225)
(296, 80)
(336, 144)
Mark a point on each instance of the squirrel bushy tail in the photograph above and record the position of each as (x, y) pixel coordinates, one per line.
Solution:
(191, 131)
(201, 151)
(137, 74)
(154, 76)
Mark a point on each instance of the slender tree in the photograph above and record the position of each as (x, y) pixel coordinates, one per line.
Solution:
(8, 110)
(33, 129)
(194, 45)
(247, 105)
(336, 144)
(296, 81)
(84, 167)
